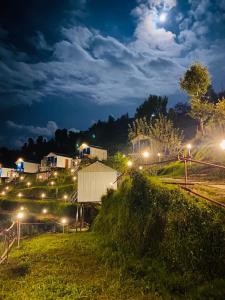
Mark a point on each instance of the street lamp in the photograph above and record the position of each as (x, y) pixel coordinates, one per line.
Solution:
(72, 171)
(222, 145)
(64, 222)
(44, 211)
(43, 195)
(65, 197)
(20, 195)
(22, 208)
(52, 183)
(140, 168)
(74, 178)
(189, 146)
(55, 174)
(19, 217)
(3, 193)
(28, 184)
(159, 156)
(146, 154)
(21, 178)
(129, 163)
(7, 188)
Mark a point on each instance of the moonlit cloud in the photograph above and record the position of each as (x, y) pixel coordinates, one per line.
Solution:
(86, 64)
(47, 131)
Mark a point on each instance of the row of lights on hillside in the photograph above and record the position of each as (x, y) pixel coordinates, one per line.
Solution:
(146, 154)
(21, 215)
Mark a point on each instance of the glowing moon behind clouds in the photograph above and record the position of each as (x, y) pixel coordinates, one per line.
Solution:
(162, 17)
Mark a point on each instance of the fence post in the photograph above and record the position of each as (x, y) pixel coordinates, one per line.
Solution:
(18, 233)
(185, 171)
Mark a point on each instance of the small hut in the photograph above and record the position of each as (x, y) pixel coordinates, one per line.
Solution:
(140, 143)
(92, 152)
(94, 180)
(26, 166)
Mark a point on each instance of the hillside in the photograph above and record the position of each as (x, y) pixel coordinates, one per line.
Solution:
(69, 266)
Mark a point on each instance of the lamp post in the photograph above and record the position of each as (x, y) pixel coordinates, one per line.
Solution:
(43, 196)
(19, 217)
(159, 156)
(64, 223)
(146, 154)
(28, 184)
(129, 163)
(222, 145)
(20, 195)
(189, 146)
(65, 197)
(44, 211)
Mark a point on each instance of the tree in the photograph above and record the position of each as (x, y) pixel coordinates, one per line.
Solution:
(153, 106)
(196, 82)
(138, 126)
(165, 138)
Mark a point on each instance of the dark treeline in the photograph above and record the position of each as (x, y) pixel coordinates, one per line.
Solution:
(111, 134)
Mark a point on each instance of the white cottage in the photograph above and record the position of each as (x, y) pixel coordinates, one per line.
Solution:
(92, 152)
(94, 180)
(56, 160)
(7, 172)
(26, 166)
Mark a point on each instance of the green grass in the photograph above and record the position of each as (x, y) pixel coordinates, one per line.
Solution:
(69, 266)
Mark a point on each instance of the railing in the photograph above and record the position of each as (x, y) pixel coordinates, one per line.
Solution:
(7, 239)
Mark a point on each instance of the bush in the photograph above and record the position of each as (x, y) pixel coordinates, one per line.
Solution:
(152, 221)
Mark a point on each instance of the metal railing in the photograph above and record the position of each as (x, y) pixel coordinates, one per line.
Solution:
(7, 239)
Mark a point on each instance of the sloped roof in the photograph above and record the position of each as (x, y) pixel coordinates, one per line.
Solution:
(97, 167)
(59, 154)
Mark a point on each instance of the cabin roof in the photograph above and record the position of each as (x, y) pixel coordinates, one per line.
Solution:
(140, 137)
(59, 154)
(97, 167)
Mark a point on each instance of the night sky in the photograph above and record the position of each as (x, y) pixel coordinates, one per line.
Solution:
(67, 63)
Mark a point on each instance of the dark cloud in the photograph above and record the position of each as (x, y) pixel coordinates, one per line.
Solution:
(78, 63)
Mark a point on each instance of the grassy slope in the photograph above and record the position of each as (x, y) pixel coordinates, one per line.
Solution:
(64, 267)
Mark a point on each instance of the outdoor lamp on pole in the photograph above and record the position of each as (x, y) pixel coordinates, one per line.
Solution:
(64, 222)
(189, 146)
(129, 163)
(43, 195)
(159, 156)
(146, 154)
(20, 195)
(44, 211)
(222, 145)
(65, 197)
(19, 217)
(28, 184)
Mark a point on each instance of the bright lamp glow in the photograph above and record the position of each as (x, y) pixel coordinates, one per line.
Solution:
(189, 146)
(140, 168)
(43, 195)
(20, 195)
(64, 221)
(222, 145)
(162, 17)
(65, 197)
(20, 216)
(145, 154)
(129, 163)
(44, 211)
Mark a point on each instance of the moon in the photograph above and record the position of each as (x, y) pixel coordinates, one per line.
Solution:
(162, 17)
